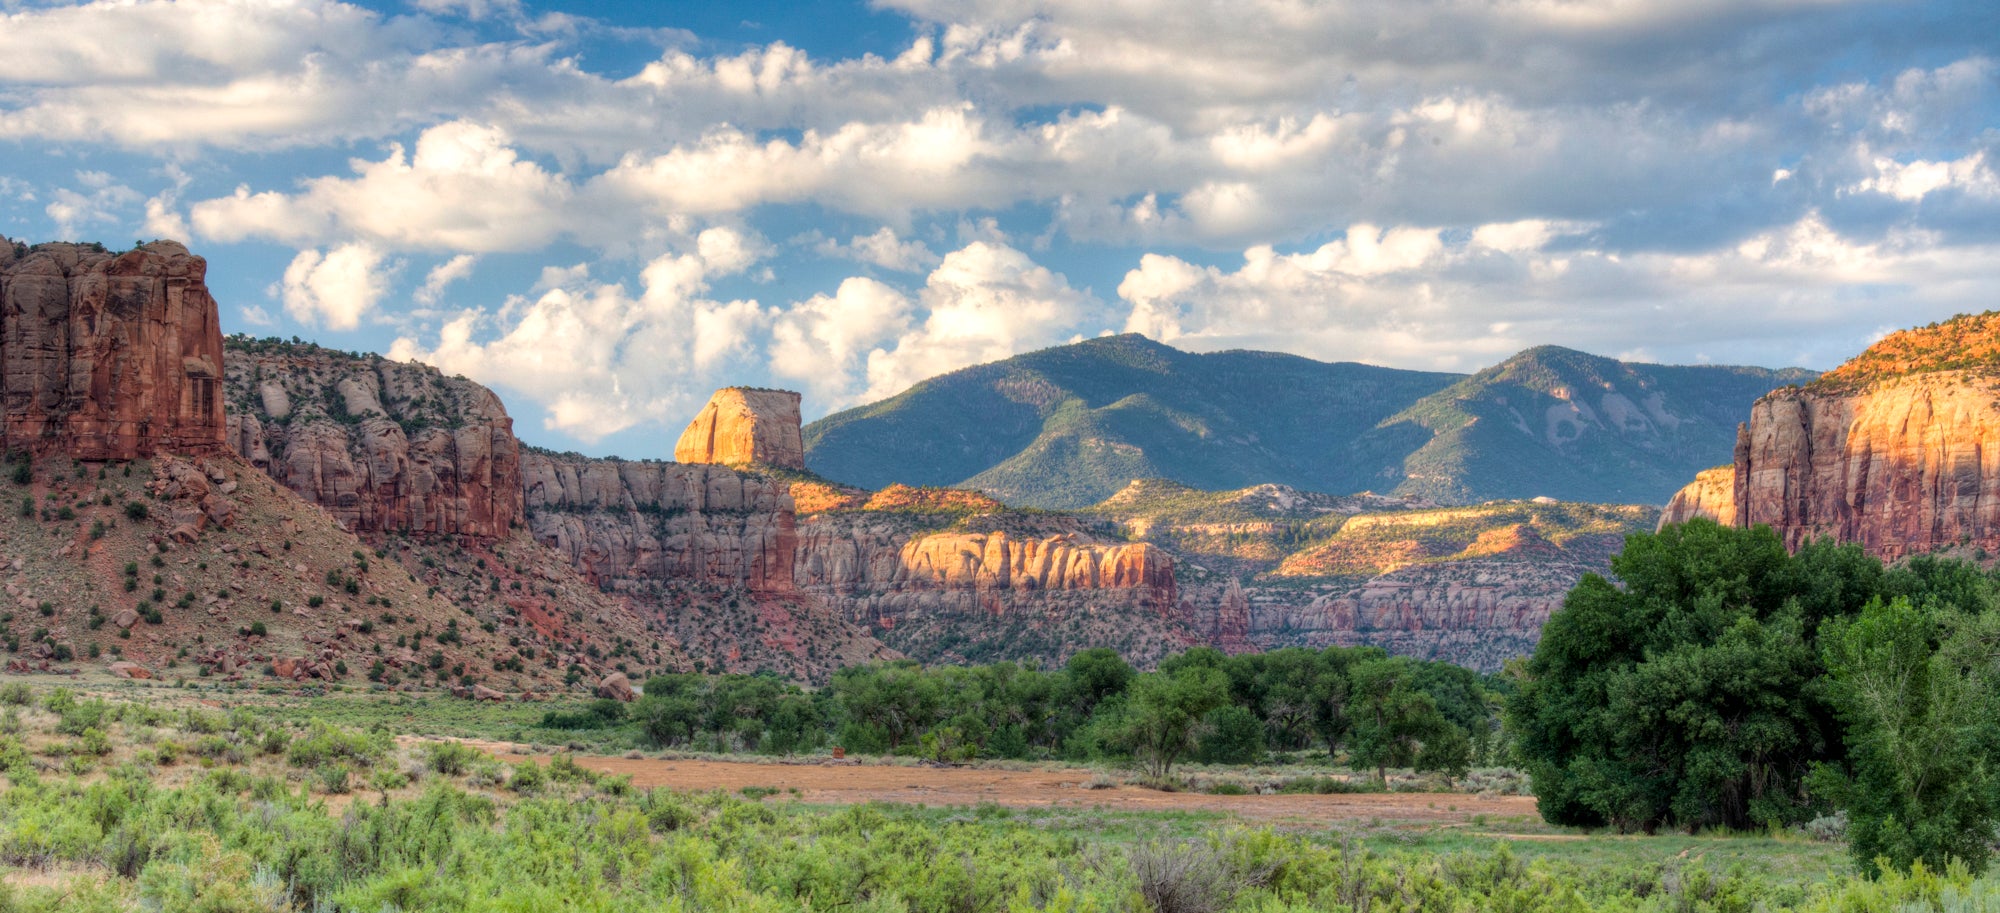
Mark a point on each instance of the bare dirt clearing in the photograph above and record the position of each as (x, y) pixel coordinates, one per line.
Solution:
(849, 783)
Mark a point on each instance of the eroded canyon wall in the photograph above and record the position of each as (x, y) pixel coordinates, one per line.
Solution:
(109, 356)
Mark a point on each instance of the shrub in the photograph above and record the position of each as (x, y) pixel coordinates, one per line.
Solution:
(324, 744)
(332, 779)
(450, 758)
(1186, 877)
(528, 778)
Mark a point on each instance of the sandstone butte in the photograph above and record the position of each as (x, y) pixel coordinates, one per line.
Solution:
(1897, 450)
(108, 356)
(742, 426)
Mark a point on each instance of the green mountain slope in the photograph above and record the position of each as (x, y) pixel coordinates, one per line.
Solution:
(1560, 423)
(1069, 426)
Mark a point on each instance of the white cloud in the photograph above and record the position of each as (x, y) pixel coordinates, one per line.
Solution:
(101, 202)
(465, 188)
(883, 249)
(443, 275)
(597, 358)
(1912, 181)
(984, 302)
(1413, 297)
(337, 289)
(824, 342)
(883, 168)
(601, 360)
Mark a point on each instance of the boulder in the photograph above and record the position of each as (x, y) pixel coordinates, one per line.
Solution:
(124, 669)
(616, 687)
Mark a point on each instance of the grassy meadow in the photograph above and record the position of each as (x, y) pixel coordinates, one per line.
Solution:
(138, 796)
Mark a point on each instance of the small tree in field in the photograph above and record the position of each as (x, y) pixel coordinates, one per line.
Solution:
(1164, 714)
(1396, 725)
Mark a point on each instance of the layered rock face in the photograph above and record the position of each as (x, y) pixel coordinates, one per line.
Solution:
(742, 426)
(628, 523)
(382, 445)
(975, 592)
(1903, 466)
(109, 356)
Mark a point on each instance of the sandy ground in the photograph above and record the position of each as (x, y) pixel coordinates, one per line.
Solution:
(847, 782)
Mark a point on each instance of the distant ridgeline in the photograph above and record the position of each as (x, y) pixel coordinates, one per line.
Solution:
(1070, 426)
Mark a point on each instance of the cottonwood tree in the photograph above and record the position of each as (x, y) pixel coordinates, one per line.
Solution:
(1917, 690)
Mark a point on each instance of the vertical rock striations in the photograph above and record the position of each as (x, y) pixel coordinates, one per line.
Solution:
(1897, 450)
(109, 356)
(1903, 466)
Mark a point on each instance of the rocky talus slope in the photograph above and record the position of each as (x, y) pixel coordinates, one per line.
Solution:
(399, 453)
(1898, 450)
(108, 356)
(140, 538)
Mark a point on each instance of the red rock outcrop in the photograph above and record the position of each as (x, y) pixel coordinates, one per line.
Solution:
(382, 445)
(742, 426)
(1897, 450)
(1711, 495)
(108, 356)
(1903, 466)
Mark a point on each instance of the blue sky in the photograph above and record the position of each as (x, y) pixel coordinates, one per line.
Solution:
(605, 210)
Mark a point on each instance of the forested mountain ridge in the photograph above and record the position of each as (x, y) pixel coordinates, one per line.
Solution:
(1066, 427)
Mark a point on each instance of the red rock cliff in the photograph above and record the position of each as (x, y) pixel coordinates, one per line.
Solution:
(109, 356)
(1902, 466)
(1898, 450)
(382, 445)
(1712, 494)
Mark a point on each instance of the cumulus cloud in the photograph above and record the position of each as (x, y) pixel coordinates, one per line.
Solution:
(1457, 300)
(464, 188)
(336, 289)
(598, 358)
(443, 275)
(825, 342)
(1421, 183)
(1912, 181)
(984, 302)
(101, 201)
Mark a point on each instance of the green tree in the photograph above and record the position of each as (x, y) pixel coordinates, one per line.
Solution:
(1917, 692)
(1691, 695)
(1231, 734)
(898, 699)
(1164, 710)
(1397, 725)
